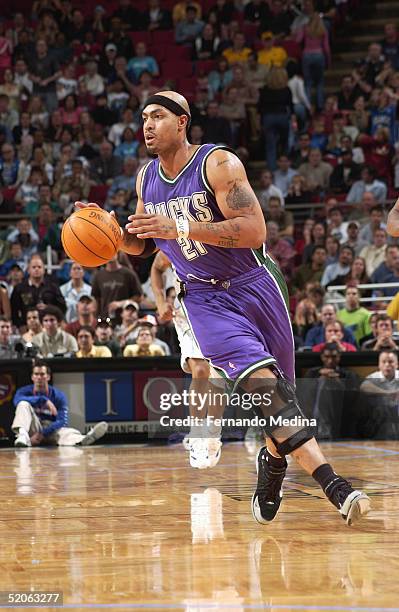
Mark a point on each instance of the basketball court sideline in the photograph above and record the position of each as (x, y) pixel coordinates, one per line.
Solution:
(119, 527)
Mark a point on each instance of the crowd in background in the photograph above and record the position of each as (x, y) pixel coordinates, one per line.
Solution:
(73, 80)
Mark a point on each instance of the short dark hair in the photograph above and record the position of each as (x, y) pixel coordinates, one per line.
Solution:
(5, 319)
(40, 363)
(335, 209)
(330, 346)
(54, 311)
(377, 207)
(384, 317)
(86, 328)
(346, 247)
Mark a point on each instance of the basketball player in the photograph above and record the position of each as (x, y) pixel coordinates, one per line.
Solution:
(204, 445)
(195, 204)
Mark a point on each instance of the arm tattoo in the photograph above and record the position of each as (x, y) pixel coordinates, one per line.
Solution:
(228, 242)
(239, 197)
(224, 161)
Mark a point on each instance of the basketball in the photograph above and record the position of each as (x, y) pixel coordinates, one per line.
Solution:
(90, 237)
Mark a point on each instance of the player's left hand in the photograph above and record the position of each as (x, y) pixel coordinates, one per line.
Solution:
(152, 226)
(36, 439)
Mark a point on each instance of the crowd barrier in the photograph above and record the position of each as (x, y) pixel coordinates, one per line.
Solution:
(122, 391)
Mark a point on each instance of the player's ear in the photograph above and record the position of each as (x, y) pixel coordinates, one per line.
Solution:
(182, 122)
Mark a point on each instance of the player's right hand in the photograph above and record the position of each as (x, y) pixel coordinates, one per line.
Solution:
(80, 205)
(166, 312)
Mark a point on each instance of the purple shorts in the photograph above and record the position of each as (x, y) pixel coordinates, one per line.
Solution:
(242, 328)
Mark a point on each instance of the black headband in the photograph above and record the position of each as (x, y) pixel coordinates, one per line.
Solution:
(171, 105)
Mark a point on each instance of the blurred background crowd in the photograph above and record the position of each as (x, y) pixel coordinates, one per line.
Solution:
(314, 122)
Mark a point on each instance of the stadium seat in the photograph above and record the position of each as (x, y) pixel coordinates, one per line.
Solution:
(179, 53)
(179, 69)
(139, 36)
(98, 193)
(292, 48)
(163, 37)
(205, 66)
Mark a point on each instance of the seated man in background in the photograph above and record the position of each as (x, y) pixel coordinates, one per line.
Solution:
(144, 346)
(33, 324)
(105, 337)
(384, 340)
(353, 315)
(73, 290)
(53, 341)
(85, 338)
(7, 340)
(316, 335)
(41, 415)
(328, 391)
(86, 308)
(334, 332)
(378, 416)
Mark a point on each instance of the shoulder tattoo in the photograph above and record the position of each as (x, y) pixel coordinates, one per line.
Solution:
(239, 196)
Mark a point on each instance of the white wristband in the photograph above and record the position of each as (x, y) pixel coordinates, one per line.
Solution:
(182, 226)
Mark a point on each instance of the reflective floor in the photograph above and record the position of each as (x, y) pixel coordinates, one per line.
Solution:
(119, 527)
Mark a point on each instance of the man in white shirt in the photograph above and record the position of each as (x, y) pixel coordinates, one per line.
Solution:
(340, 268)
(267, 190)
(374, 254)
(368, 182)
(73, 291)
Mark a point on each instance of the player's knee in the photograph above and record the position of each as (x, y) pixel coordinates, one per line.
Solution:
(23, 405)
(199, 368)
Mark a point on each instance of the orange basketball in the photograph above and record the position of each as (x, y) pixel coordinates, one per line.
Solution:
(90, 237)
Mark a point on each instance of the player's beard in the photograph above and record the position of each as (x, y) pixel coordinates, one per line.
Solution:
(151, 151)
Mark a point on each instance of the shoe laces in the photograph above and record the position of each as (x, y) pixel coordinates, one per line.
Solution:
(338, 490)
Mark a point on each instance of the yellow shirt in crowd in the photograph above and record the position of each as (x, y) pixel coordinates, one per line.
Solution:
(96, 351)
(236, 56)
(276, 56)
(133, 350)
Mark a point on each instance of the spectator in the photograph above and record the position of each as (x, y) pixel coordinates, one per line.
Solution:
(180, 8)
(298, 192)
(344, 174)
(279, 19)
(233, 109)
(256, 73)
(11, 89)
(316, 172)
(73, 290)
(216, 128)
(93, 81)
(86, 309)
(129, 321)
(301, 155)
(300, 101)
(330, 393)
(47, 228)
(26, 236)
(75, 183)
(271, 55)
(87, 348)
(369, 183)
(283, 218)
(348, 94)
(353, 315)
(314, 236)
(151, 322)
(5, 306)
(187, 30)
(317, 335)
(8, 116)
(238, 52)
(44, 72)
(9, 166)
(390, 46)
(156, 18)
(316, 56)
(41, 414)
(374, 254)
(379, 408)
(14, 277)
(125, 181)
(384, 337)
(37, 290)
(339, 268)
(376, 221)
(142, 62)
(114, 284)
(144, 346)
(107, 166)
(23, 132)
(310, 272)
(256, 12)
(7, 340)
(389, 268)
(129, 16)
(334, 332)
(356, 276)
(67, 84)
(220, 78)
(354, 241)
(116, 131)
(379, 152)
(360, 118)
(22, 79)
(284, 174)
(305, 316)
(221, 13)
(275, 107)
(206, 45)
(128, 146)
(337, 227)
(53, 341)
(33, 324)
(281, 250)
(371, 67)
(105, 337)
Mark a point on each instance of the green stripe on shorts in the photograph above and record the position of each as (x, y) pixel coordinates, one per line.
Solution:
(273, 268)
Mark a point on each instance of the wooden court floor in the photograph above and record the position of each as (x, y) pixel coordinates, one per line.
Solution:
(134, 527)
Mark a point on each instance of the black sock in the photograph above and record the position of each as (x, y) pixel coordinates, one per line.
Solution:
(325, 476)
(276, 462)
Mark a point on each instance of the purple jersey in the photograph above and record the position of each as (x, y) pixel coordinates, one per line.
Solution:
(191, 195)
